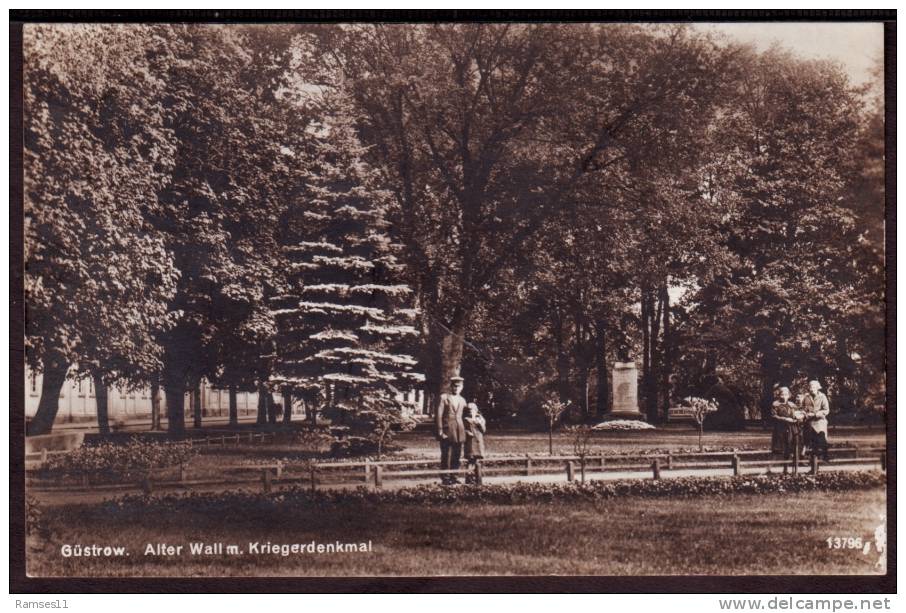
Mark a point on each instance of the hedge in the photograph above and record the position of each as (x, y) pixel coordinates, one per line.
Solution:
(244, 502)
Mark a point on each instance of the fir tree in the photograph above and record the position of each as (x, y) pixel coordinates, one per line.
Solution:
(344, 320)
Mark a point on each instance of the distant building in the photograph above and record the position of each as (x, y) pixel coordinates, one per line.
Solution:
(77, 401)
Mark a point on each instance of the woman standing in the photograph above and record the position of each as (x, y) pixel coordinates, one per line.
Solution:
(786, 437)
(816, 409)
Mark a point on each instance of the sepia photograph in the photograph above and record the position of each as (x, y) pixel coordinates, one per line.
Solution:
(386, 299)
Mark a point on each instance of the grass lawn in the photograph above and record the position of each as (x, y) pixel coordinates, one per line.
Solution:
(421, 443)
(674, 437)
(736, 534)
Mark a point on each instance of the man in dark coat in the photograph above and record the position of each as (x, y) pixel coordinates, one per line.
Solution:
(451, 431)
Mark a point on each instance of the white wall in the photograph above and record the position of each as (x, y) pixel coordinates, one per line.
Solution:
(77, 401)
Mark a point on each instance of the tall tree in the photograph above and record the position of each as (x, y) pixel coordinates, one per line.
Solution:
(487, 129)
(220, 211)
(788, 133)
(345, 318)
(96, 153)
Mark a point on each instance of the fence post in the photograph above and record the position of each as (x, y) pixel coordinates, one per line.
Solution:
(656, 468)
(570, 472)
(312, 476)
(884, 460)
(528, 465)
(43, 455)
(669, 460)
(251, 437)
(279, 469)
(796, 460)
(479, 480)
(367, 471)
(223, 440)
(378, 477)
(266, 480)
(146, 484)
(182, 473)
(735, 463)
(814, 464)
(785, 468)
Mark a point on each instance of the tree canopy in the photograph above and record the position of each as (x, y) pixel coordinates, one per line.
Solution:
(365, 208)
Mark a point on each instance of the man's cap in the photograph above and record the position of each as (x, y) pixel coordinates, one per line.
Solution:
(455, 379)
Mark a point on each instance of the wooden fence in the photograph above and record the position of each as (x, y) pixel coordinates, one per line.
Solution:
(377, 473)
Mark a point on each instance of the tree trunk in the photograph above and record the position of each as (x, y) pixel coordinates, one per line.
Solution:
(174, 380)
(768, 378)
(54, 375)
(563, 390)
(271, 409)
(234, 407)
(646, 345)
(584, 376)
(667, 354)
(651, 325)
(176, 408)
(451, 351)
(603, 400)
(155, 402)
(196, 406)
(262, 404)
(287, 405)
(101, 397)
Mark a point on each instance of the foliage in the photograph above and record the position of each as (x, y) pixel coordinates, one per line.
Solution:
(97, 280)
(236, 161)
(34, 517)
(783, 306)
(513, 494)
(116, 461)
(345, 323)
(553, 409)
(701, 408)
(331, 208)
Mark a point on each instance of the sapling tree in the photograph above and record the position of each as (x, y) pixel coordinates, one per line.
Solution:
(553, 409)
(700, 410)
(582, 435)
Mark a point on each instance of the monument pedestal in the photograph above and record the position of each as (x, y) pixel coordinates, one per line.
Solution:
(625, 392)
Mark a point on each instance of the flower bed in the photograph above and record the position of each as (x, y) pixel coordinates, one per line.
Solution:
(623, 424)
(116, 462)
(243, 502)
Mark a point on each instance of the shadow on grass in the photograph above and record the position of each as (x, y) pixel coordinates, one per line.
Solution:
(738, 534)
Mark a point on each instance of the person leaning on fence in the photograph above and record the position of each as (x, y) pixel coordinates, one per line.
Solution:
(475, 429)
(450, 429)
(816, 408)
(787, 425)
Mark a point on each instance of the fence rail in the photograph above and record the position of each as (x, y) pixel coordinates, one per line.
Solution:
(375, 473)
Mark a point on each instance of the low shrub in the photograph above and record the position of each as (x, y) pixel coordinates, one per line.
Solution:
(116, 462)
(251, 504)
(33, 516)
(360, 447)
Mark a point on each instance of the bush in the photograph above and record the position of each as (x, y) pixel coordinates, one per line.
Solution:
(359, 446)
(117, 462)
(33, 516)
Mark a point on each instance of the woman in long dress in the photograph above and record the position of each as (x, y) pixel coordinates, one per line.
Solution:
(787, 425)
